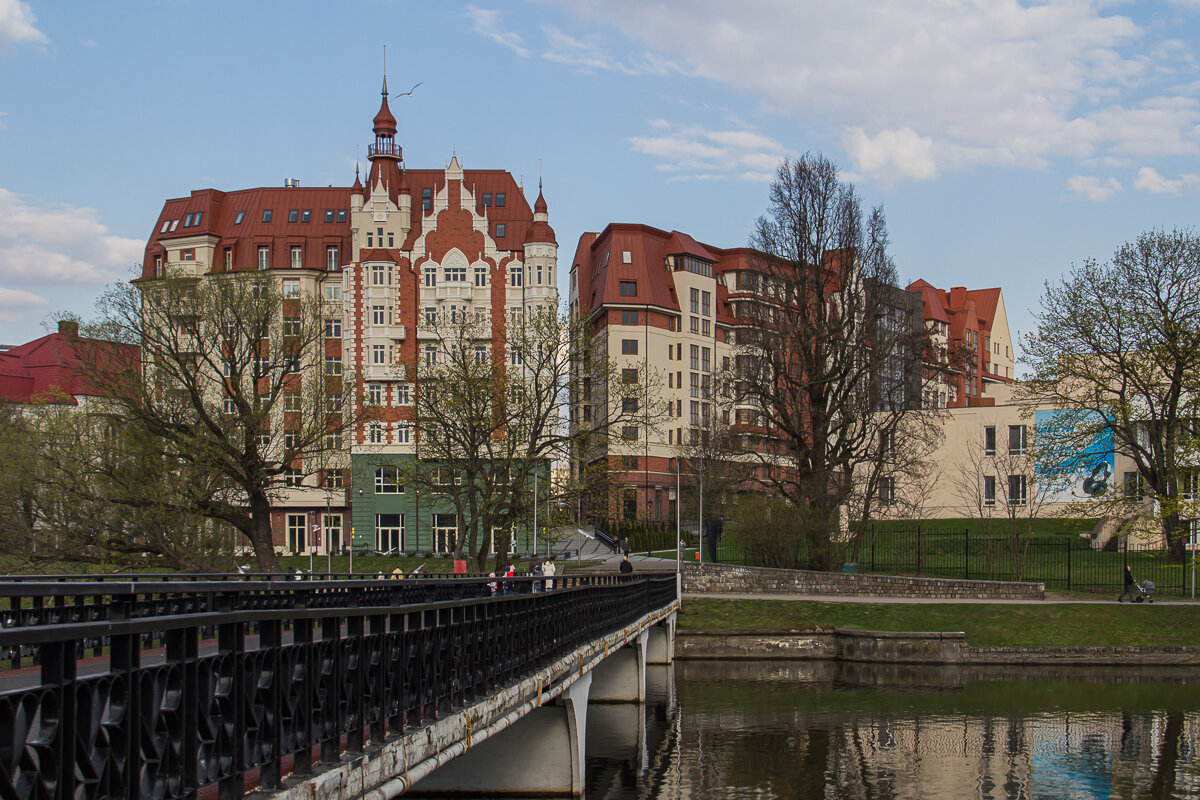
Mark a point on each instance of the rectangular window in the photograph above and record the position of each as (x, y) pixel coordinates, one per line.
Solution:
(297, 256)
(705, 303)
(306, 215)
(501, 228)
(430, 315)
(402, 394)
(291, 288)
(629, 433)
(626, 256)
(628, 288)
(266, 217)
(515, 276)
(187, 221)
(629, 347)
(291, 326)
(297, 530)
(331, 257)
(264, 256)
(374, 433)
(341, 215)
(241, 215)
(694, 324)
(1017, 487)
(887, 491)
(705, 359)
(426, 199)
(694, 300)
(989, 490)
(629, 376)
(629, 318)
(487, 198)
(329, 215)
(187, 255)
(887, 445)
(333, 478)
(381, 275)
(431, 354)
(1133, 486)
(378, 354)
(403, 433)
(293, 478)
(293, 215)
(228, 258)
(445, 532)
(1016, 440)
(480, 277)
(457, 274)
(694, 353)
(694, 412)
(989, 440)
(375, 394)
(377, 315)
(500, 199)
(333, 365)
(333, 441)
(694, 388)
(389, 533)
(629, 405)
(387, 481)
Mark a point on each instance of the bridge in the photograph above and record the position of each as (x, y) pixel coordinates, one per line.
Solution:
(226, 687)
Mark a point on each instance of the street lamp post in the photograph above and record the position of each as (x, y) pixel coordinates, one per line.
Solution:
(328, 537)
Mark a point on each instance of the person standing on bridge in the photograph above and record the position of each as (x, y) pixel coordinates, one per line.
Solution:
(626, 568)
(549, 569)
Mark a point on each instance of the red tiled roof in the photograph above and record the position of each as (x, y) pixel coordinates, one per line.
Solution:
(48, 368)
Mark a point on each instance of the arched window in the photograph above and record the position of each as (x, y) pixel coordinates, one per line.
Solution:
(387, 481)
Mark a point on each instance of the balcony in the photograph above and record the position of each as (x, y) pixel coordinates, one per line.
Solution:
(381, 148)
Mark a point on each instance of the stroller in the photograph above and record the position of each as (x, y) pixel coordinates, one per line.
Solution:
(1145, 591)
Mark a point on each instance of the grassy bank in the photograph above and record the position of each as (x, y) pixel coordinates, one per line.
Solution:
(1079, 625)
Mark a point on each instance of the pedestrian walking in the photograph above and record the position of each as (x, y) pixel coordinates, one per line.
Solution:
(1130, 583)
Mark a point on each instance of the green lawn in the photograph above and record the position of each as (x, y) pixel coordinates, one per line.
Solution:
(985, 625)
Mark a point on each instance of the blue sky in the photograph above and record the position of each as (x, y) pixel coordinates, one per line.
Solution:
(1006, 140)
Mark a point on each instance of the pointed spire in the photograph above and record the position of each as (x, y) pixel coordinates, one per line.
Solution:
(384, 91)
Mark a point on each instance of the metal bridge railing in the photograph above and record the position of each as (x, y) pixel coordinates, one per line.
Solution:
(218, 686)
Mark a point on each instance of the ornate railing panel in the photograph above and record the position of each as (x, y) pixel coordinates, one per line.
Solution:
(227, 684)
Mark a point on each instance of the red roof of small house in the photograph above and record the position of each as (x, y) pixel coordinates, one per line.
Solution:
(48, 368)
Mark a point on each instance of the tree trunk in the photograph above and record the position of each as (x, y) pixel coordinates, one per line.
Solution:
(259, 534)
(1175, 529)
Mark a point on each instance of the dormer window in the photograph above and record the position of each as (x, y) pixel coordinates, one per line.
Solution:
(166, 224)
(305, 216)
(329, 215)
(341, 215)
(266, 217)
(241, 215)
(196, 219)
(487, 199)
(426, 199)
(174, 225)
(499, 199)
(187, 221)
(628, 288)
(294, 215)
(500, 230)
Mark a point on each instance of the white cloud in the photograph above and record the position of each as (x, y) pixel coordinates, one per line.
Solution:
(591, 53)
(1092, 188)
(920, 87)
(16, 25)
(60, 244)
(17, 303)
(696, 153)
(1149, 180)
(3, 124)
(486, 22)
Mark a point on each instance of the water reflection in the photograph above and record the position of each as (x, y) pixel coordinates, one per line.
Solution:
(818, 729)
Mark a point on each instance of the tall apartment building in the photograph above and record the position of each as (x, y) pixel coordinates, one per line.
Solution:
(406, 245)
(973, 325)
(660, 303)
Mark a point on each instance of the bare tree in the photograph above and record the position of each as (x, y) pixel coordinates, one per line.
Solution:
(234, 391)
(1118, 346)
(489, 417)
(825, 342)
(1006, 487)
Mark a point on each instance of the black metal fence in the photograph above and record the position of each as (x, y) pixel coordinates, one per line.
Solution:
(214, 686)
(1061, 562)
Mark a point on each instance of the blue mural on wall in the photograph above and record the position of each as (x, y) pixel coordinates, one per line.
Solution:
(1072, 465)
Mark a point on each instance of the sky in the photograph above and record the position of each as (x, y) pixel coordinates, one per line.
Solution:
(1005, 140)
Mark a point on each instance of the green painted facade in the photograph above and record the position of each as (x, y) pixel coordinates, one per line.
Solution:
(413, 511)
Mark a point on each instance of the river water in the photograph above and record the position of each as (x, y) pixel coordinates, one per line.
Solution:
(796, 729)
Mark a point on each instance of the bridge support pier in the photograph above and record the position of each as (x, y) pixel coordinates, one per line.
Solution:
(621, 678)
(542, 753)
(661, 644)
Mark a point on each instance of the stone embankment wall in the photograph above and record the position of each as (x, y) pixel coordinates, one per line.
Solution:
(910, 648)
(727, 579)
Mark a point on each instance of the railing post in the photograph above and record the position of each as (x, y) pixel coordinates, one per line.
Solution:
(58, 674)
(124, 661)
(966, 554)
(182, 651)
(1068, 543)
(918, 550)
(231, 642)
